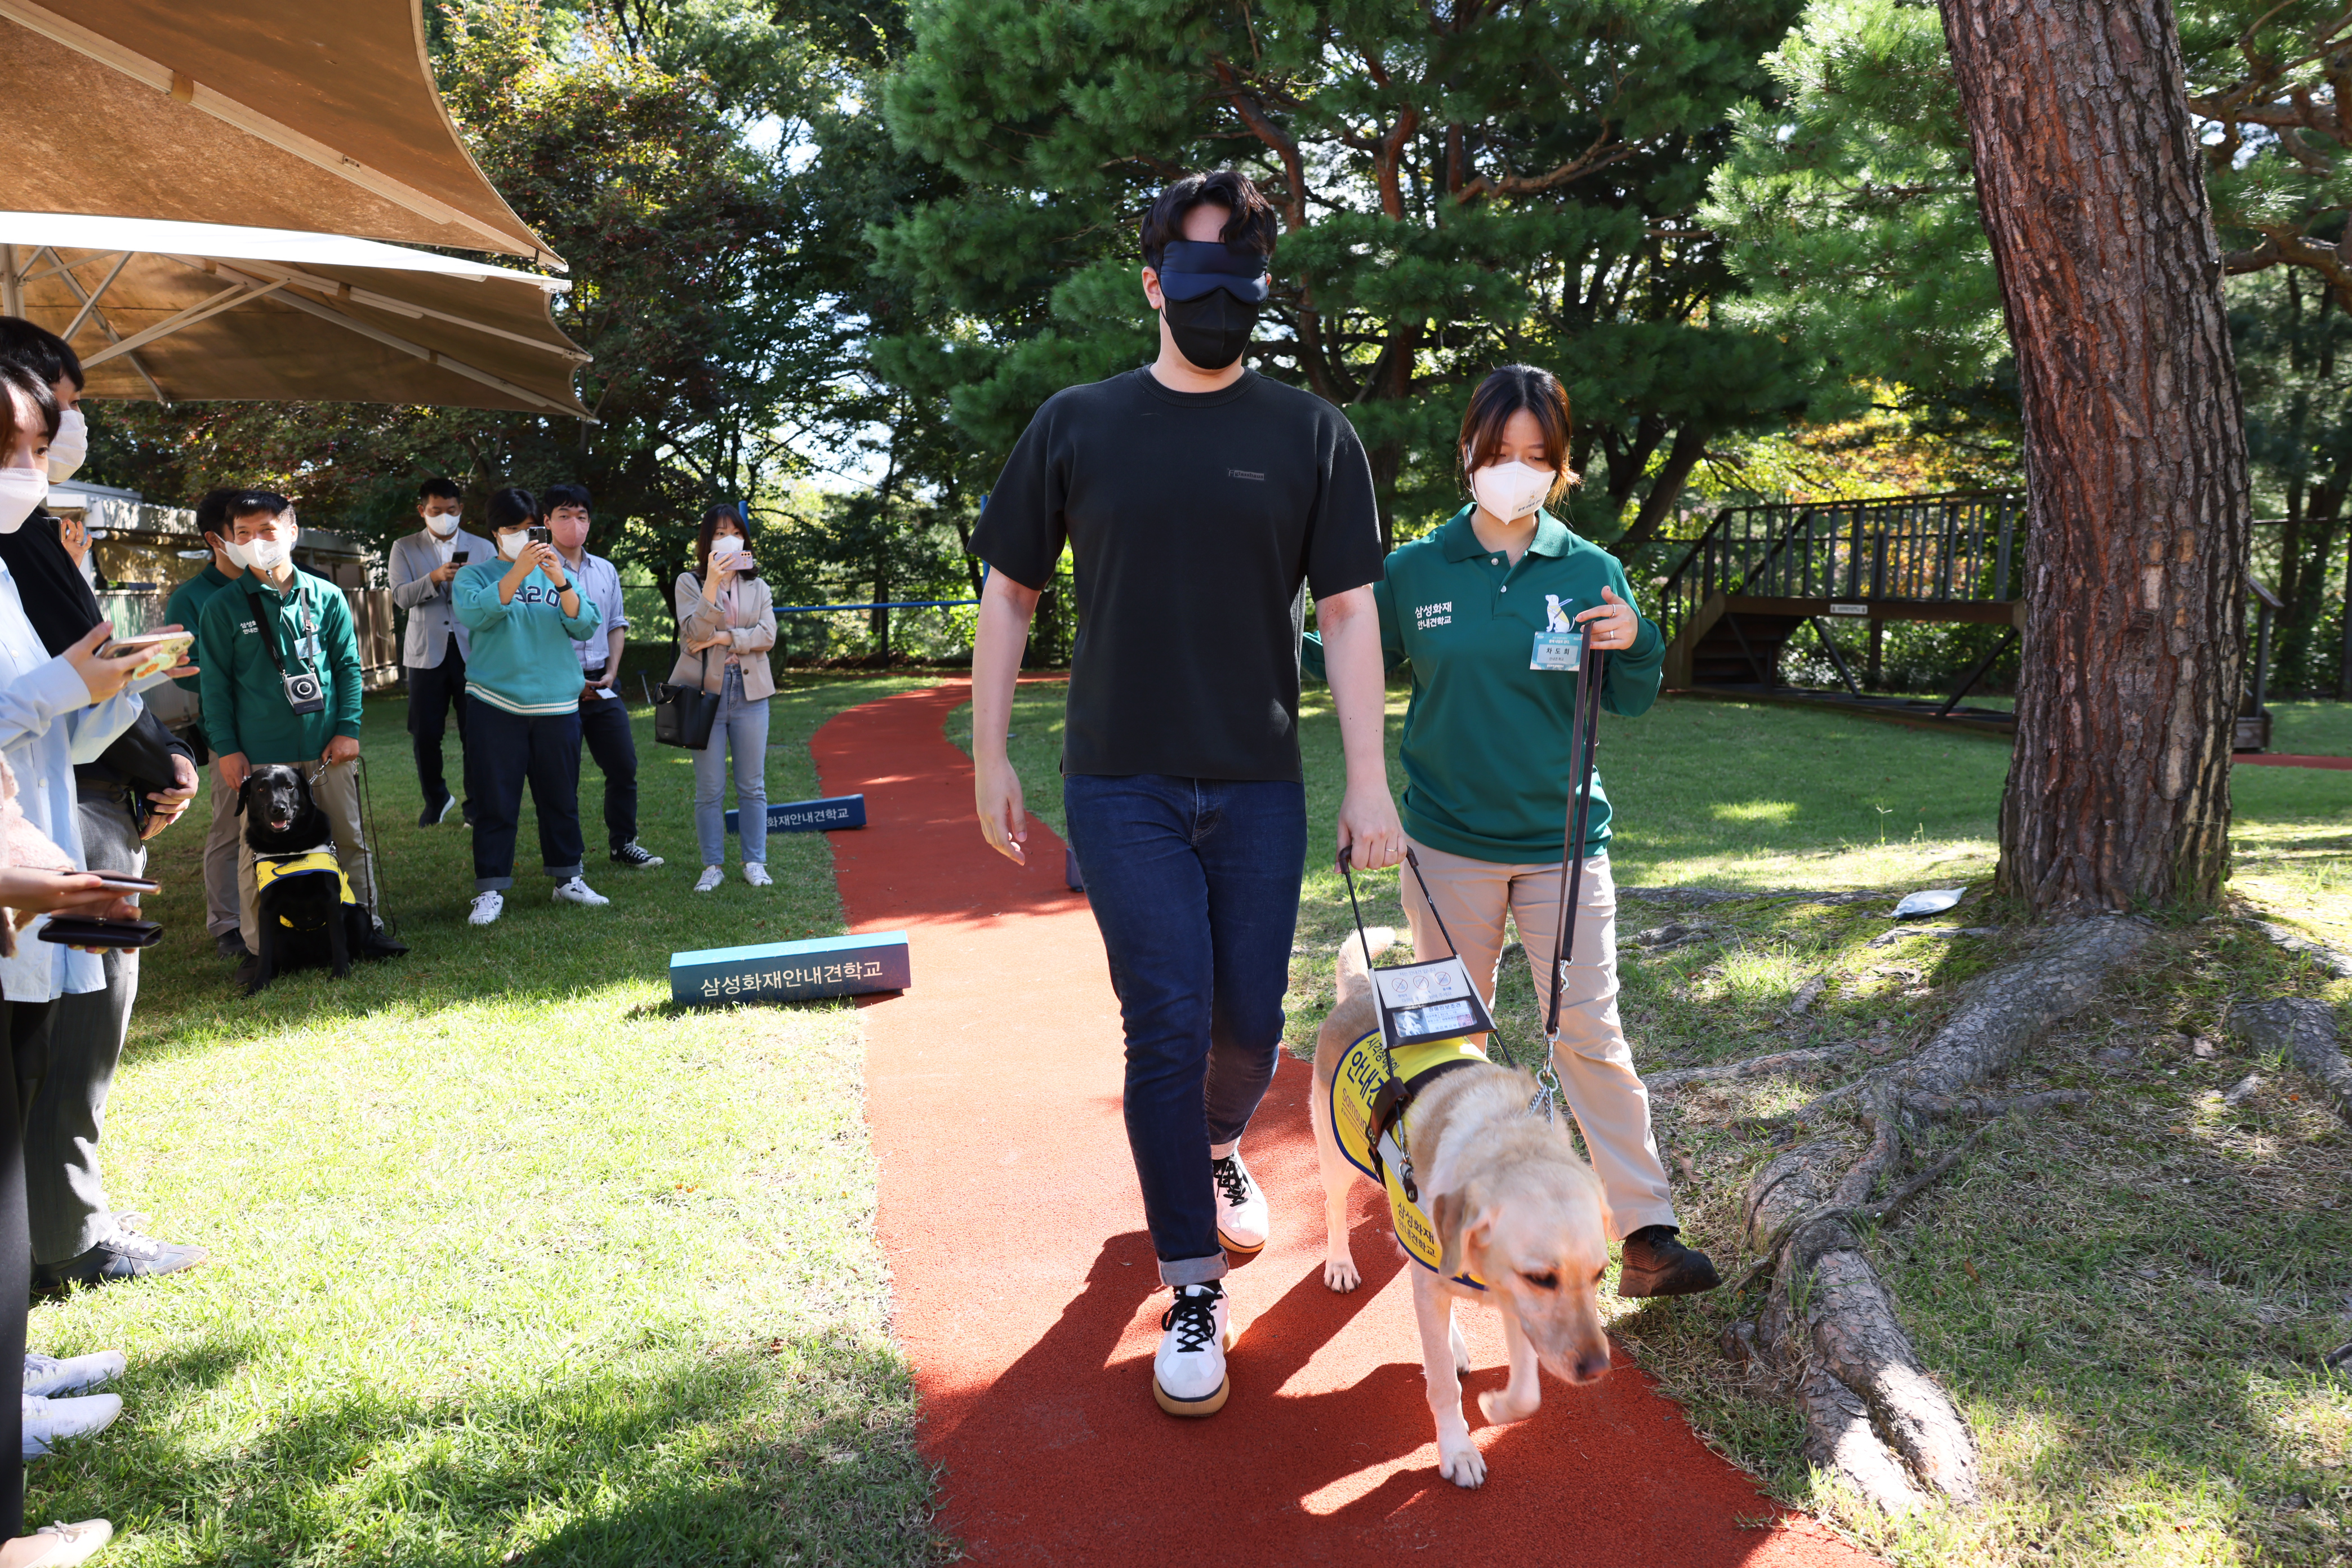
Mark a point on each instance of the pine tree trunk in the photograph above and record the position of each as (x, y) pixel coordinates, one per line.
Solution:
(2119, 794)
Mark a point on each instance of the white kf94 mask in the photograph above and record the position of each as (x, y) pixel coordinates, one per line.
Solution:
(1511, 490)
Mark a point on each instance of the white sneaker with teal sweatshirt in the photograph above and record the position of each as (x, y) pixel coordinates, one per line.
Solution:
(523, 660)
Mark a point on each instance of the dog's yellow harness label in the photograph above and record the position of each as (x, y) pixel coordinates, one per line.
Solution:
(268, 869)
(1353, 1089)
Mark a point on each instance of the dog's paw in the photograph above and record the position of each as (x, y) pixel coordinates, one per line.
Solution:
(1496, 1405)
(1340, 1273)
(1465, 1467)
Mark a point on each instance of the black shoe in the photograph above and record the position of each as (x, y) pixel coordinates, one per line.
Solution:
(124, 1255)
(232, 945)
(634, 854)
(434, 815)
(249, 974)
(378, 943)
(1658, 1264)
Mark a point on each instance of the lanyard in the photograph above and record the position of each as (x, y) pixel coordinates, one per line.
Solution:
(266, 623)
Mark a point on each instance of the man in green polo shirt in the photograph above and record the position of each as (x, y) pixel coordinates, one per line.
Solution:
(184, 711)
(250, 715)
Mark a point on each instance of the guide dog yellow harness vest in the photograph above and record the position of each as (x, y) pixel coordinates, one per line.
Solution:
(1366, 1122)
(268, 869)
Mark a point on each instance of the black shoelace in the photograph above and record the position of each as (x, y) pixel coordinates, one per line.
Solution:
(1232, 1180)
(1194, 1320)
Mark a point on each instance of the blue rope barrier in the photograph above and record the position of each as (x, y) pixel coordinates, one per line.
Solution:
(892, 605)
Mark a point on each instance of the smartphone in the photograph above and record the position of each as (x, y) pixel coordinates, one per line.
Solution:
(123, 882)
(460, 557)
(77, 930)
(163, 649)
(542, 536)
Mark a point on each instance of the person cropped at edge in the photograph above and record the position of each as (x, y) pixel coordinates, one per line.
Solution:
(432, 648)
(523, 688)
(132, 791)
(54, 709)
(186, 609)
(250, 720)
(726, 624)
(603, 715)
(1487, 769)
(1198, 500)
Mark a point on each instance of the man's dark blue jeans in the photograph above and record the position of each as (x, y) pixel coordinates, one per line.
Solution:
(1194, 884)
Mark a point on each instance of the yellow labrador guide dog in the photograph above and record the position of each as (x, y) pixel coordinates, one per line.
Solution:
(1498, 1206)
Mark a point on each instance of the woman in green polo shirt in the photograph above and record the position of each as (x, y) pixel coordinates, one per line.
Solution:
(1488, 770)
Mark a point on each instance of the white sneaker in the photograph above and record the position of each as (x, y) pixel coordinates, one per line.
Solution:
(1242, 1221)
(48, 1422)
(487, 907)
(757, 874)
(1188, 1376)
(578, 891)
(710, 878)
(48, 1374)
(70, 1544)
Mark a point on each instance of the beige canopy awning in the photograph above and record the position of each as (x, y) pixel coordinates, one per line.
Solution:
(308, 115)
(173, 311)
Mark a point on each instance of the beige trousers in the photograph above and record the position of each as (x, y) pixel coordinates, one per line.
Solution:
(337, 792)
(1594, 1064)
(222, 841)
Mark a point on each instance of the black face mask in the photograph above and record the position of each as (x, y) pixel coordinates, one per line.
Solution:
(1210, 331)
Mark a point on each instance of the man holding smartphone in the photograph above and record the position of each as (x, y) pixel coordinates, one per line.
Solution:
(434, 647)
(603, 715)
(280, 662)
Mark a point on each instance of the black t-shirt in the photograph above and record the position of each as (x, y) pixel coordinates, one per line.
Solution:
(1193, 519)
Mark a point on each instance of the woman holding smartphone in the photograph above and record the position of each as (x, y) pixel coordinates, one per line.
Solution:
(522, 614)
(1477, 607)
(726, 624)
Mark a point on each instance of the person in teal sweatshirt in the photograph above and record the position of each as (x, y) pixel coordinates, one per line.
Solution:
(523, 613)
(1485, 610)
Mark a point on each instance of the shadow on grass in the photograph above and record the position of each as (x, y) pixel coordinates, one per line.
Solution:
(802, 1450)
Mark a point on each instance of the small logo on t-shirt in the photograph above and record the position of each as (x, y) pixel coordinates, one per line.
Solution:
(1428, 616)
(1244, 473)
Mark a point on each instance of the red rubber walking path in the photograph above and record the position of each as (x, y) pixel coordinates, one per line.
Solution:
(1028, 1302)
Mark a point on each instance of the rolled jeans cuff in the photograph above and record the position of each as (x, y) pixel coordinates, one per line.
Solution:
(1193, 1270)
(492, 884)
(565, 873)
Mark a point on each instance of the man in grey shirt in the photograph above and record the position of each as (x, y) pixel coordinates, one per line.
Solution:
(434, 647)
(603, 713)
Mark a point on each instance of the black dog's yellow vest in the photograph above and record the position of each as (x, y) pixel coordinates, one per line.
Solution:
(270, 868)
(1353, 1088)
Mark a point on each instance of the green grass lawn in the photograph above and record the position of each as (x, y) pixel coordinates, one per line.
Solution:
(513, 1261)
(2129, 1301)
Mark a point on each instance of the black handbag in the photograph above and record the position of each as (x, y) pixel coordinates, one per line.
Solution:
(683, 714)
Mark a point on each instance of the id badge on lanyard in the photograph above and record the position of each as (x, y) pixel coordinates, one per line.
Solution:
(1558, 651)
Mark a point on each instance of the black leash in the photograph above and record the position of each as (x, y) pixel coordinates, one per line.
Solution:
(1583, 742)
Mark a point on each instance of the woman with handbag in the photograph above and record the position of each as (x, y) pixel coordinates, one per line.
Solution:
(726, 624)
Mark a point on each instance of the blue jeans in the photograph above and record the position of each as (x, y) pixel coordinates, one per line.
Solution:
(1194, 884)
(508, 751)
(743, 725)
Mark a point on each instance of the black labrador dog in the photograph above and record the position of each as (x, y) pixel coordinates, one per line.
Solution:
(308, 917)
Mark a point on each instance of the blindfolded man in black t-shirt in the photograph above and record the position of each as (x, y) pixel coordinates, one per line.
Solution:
(1197, 500)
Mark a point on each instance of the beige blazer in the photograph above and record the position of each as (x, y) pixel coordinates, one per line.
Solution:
(752, 628)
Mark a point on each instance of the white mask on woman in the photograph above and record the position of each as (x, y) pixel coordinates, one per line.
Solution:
(21, 491)
(70, 446)
(511, 540)
(1511, 490)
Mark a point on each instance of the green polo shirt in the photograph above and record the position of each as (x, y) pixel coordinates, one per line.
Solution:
(186, 608)
(1486, 746)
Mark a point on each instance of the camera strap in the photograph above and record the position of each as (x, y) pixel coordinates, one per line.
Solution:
(266, 624)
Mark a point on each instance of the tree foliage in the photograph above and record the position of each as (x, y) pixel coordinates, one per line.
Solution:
(1461, 185)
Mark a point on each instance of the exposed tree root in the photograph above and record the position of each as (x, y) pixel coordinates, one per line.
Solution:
(2337, 964)
(1875, 1414)
(2305, 1031)
(1699, 897)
